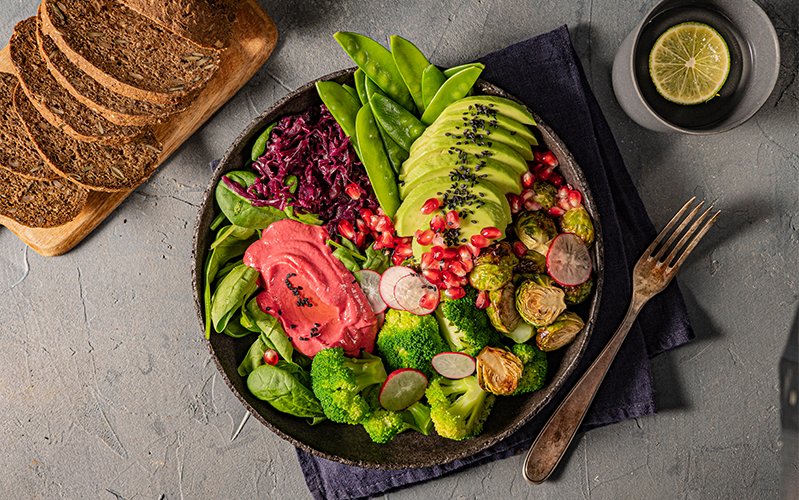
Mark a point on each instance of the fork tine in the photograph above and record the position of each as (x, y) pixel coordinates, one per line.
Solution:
(677, 232)
(690, 234)
(654, 244)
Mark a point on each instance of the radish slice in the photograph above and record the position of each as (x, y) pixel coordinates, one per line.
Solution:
(568, 260)
(402, 388)
(389, 280)
(381, 318)
(370, 284)
(454, 365)
(413, 294)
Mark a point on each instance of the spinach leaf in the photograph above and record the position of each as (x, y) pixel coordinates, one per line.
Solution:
(345, 256)
(281, 387)
(235, 288)
(255, 356)
(238, 209)
(270, 330)
(234, 327)
(376, 260)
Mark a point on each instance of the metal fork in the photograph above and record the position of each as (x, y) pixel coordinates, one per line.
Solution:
(651, 274)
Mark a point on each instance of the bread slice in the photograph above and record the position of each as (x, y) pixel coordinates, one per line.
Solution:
(17, 153)
(114, 107)
(127, 52)
(93, 166)
(37, 203)
(52, 100)
(204, 22)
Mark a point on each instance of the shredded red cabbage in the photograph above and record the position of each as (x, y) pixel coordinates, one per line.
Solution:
(312, 147)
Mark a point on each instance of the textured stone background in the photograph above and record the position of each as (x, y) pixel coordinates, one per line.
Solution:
(107, 389)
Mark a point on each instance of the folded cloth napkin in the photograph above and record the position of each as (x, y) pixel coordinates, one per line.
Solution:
(546, 75)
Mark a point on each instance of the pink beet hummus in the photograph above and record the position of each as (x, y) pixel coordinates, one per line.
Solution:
(309, 291)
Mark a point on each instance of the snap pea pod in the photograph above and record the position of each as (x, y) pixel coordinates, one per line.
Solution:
(377, 63)
(342, 105)
(400, 124)
(396, 153)
(360, 86)
(371, 89)
(456, 87)
(260, 143)
(411, 63)
(456, 69)
(352, 91)
(375, 161)
(432, 80)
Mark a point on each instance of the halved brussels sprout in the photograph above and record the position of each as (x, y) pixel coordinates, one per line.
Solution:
(577, 294)
(578, 222)
(546, 194)
(559, 333)
(531, 262)
(535, 230)
(500, 254)
(498, 371)
(502, 309)
(490, 276)
(539, 300)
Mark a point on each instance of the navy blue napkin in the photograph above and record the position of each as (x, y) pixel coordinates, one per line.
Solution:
(545, 73)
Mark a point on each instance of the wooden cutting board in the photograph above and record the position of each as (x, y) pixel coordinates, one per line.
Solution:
(253, 39)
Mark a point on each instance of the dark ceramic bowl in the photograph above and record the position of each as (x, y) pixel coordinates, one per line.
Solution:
(350, 444)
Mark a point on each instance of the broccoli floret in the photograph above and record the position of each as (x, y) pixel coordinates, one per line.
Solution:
(417, 417)
(409, 341)
(459, 408)
(382, 425)
(466, 328)
(535, 367)
(338, 381)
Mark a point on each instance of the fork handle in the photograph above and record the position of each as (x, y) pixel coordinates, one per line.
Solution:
(553, 440)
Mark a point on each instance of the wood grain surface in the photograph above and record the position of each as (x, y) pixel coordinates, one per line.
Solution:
(253, 39)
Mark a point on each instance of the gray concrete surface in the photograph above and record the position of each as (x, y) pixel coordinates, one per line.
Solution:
(107, 390)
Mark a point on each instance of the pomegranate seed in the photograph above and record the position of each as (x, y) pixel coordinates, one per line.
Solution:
(563, 192)
(424, 238)
(556, 179)
(361, 225)
(564, 204)
(545, 174)
(464, 253)
(372, 221)
(453, 219)
(397, 259)
(468, 265)
(519, 249)
(538, 155)
(403, 249)
(550, 159)
(454, 293)
(556, 211)
(438, 252)
(270, 357)
(386, 240)
(383, 224)
(449, 253)
(380, 211)
(432, 275)
(377, 245)
(427, 260)
(456, 268)
(532, 205)
(515, 203)
(346, 230)
(475, 251)
(575, 198)
(403, 240)
(438, 240)
(448, 279)
(366, 214)
(428, 300)
(360, 239)
(538, 168)
(480, 241)
(482, 300)
(353, 190)
(437, 223)
(527, 194)
(528, 179)
(491, 232)
(430, 206)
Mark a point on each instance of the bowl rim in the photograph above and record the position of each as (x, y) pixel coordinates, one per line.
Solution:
(564, 370)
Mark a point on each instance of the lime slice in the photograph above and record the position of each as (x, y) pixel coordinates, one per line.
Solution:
(689, 63)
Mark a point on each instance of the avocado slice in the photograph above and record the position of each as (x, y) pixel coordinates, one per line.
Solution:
(455, 147)
(457, 127)
(503, 106)
(515, 127)
(496, 172)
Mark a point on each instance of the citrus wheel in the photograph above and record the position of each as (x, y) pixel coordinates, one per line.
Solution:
(689, 63)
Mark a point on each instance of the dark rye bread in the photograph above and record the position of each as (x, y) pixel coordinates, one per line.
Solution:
(52, 100)
(114, 107)
(17, 152)
(127, 52)
(93, 166)
(204, 22)
(37, 203)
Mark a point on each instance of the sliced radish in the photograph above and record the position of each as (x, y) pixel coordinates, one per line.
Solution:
(370, 284)
(454, 365)
(381, 318)
(389, 280)
(402, 388)
(568, 260)
(413, 293)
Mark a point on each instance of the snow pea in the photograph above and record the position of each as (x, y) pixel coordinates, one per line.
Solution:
(400, 124)
(377, 63)
(396, 154)
(456, 87)
(411, 63)
(455, 69)
(260, 143)
(352, 91)
(360, 86)
(371, 89)
(342, 105)
(375, 161)
(432, 80)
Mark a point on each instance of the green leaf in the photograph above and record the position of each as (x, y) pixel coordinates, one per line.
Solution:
(283, 390)
(236, 287)
(271, 331)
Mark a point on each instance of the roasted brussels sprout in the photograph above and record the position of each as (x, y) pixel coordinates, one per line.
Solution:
(490, 276)
(539, 300)
(561, 332)
(576, 294)
(546, 194)
(578, 222)
(498, 371)
(502, 309)
(531, 263)
(535, 230)
(500, 254)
